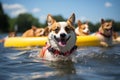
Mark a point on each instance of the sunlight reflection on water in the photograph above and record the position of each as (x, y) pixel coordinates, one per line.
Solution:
(94, 63)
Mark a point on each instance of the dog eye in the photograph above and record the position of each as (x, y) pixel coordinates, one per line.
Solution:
(107, 25)
(84, 28)
(67, 29)
(57, 30)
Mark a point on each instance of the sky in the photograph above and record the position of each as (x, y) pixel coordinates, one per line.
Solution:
(85, 10)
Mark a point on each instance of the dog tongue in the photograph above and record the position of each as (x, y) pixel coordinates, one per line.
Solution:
(62, 43)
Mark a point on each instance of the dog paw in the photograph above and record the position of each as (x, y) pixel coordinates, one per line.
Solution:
(104, 44)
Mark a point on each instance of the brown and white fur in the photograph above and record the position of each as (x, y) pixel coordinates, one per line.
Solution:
(82, 29)
(11, 34)
(105, 33)
(116, 37)
(61, 39)
(33, 32)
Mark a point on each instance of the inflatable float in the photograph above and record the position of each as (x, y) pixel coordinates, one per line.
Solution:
(41, 41)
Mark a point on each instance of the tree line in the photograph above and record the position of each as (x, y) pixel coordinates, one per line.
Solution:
(24, 21)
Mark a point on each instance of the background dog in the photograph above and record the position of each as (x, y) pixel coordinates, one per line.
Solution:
(11, 34)
(82, 29)
(61, 40)
(33, 32)
(105, 33)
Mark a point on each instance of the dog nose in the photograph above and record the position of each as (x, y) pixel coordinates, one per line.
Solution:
(88, 31)
(62, 35)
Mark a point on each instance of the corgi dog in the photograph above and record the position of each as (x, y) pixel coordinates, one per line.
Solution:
(61, 40)
(116, 37)
(105, 33)
(11, 34)
(33, 32)
(82, 29)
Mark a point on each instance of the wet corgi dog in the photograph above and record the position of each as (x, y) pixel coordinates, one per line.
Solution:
(11, 34)
(61, 40)
(33, 32)
(82, 29)
(105, 33)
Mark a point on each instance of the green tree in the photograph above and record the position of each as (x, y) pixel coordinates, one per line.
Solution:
(12, 23)
(92, 27)
(4, 24)
(25, 21)
(116, 26)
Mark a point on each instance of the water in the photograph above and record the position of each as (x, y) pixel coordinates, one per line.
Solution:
(94, 63)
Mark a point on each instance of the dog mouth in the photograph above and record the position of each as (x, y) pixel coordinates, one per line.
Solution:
(62, 41)
(87, 33)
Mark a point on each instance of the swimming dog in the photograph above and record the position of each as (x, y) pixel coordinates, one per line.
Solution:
(82, 29)
(61, 40)
(105, 33)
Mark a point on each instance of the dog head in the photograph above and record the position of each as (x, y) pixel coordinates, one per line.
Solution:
(46, 31)
(106, 27)
(83, 28)
(39, 32)
(61, 34)
(12, 34)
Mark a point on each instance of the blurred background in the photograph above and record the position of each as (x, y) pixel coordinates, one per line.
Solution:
(94, 63)
(20, 15)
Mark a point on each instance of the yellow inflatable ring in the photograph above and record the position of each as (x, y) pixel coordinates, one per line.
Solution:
(41, 41)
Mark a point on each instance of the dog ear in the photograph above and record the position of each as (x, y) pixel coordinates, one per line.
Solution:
(34, 28)
(72, 19)
(50, 20)
(79, 23)
(46, 31)
(102, 21)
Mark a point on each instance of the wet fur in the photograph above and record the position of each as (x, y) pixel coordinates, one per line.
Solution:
(55, 31)
(106, 29)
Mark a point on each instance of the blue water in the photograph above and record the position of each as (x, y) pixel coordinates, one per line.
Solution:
(94, 63)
